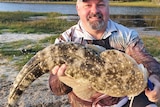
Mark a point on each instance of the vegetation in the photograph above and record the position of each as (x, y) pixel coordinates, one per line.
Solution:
(153, 45)
(28, 22)
(21, 51)
(12, 50)
(31, 22)
(76, 0)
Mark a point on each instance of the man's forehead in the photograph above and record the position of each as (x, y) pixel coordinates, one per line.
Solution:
(82, 0)
(85, 0)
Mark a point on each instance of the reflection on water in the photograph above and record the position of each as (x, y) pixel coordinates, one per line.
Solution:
(128, 10)
(151, 22)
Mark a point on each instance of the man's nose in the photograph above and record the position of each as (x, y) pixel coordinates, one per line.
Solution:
(94, 9)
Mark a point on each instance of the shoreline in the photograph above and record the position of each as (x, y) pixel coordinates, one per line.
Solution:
(111, 3)
(11, 37)
(38, 94)
(143, 32)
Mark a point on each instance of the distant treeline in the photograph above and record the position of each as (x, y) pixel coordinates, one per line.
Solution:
(75, 0)
(154, 1)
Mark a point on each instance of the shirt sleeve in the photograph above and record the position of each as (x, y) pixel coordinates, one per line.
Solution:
(137, 50)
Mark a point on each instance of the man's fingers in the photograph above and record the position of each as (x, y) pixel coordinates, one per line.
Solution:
(55, 70)
(61, 70)
(152, 95)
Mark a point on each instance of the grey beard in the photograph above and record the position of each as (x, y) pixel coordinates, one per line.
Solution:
(97, 25)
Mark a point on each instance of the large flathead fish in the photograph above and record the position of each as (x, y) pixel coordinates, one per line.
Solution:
(110, 72)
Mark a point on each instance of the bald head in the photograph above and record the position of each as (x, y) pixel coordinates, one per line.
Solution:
(80, 1)
(88, 0)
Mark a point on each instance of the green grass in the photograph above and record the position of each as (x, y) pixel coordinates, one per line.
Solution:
(13, 50)
(22, 22)
(153, 45)
(19, 22)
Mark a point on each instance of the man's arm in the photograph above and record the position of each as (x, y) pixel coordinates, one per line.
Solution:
(138, 52)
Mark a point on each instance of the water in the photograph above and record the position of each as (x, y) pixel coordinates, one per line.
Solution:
(64, 9)
(134, 11)
(71, 9)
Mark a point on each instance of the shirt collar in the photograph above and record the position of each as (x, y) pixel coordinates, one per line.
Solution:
(86, 34)
(110, 28)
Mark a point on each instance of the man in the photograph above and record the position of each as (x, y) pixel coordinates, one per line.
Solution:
(96, 27)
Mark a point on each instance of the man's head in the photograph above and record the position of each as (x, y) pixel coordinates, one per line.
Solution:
(81, 0)
(94, 14)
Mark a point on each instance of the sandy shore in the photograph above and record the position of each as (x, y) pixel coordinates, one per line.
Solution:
(10, 37)
(38, 94)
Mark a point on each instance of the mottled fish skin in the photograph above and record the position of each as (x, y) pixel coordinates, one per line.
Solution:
(72, 54)
(110, 72)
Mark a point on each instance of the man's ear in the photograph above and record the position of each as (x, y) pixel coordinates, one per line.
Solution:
(77, 8)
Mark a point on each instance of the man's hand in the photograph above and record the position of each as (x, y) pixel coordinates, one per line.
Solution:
(59, 70)
(154, 95)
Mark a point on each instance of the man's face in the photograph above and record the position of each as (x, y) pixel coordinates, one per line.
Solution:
(94, 13)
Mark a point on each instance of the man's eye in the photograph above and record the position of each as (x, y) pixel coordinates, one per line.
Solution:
(87, 5)
(101, 4)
